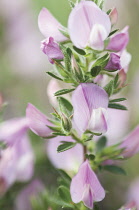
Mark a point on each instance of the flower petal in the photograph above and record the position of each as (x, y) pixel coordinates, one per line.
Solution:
(85, 98)
(49, 26)
(82, 20)
(114, 62)
(113, 16)
(131, 143)
(38, 122)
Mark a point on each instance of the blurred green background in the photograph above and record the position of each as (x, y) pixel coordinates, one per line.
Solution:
(23, 79)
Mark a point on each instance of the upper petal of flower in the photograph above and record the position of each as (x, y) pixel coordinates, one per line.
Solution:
(85, 98)
(86, 187)
(38, 122)
(49, 26)
(113, 16)
(82, 20)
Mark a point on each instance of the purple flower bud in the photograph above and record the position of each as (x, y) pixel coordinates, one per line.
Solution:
(113, 63)
(88, 25)
(131, 143)
(23, 200)
(90, 103)
(51, 49)
(118, 42)
(49, 26)
(86, 187)
(37, 121)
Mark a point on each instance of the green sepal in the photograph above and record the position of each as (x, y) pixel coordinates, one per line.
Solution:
(65, 146)
(63, 91)
(66, 124)
(102, 61)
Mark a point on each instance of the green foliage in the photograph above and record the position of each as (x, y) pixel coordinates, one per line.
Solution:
(79, 51)
(65, 146)
(102, 61)
(95, 70)
(117, 106)
(101, 143)
(64, 91)
(117, 100)
(109, 88)
(65, 106)
(53, 75)
(114, 169)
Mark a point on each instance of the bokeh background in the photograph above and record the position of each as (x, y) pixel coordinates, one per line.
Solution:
(23, 79)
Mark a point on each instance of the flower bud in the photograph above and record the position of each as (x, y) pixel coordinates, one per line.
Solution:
(66, 123)
(113, 63)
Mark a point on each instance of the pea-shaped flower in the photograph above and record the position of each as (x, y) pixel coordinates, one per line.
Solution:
(90, 104)
(88, 25)
(86, 187)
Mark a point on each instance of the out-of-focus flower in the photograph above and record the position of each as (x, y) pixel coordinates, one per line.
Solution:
(119, 41)
(23, 200)
(131, 143)
(49, 26)
(113, 16)
(88, 25)
(16, 163)
(68, 160)
(113, 63)
(38, 122)
(51, 49)
(90, 103)
(125, 58)
(86, 187)
(13, 130)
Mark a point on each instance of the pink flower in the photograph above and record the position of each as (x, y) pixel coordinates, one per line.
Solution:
(88, 25)
(23, 200)
(49, 26)
(119, 41)
(68, 160)
(90, 103)
(13, 130)
(113, 16)
(38, 122)
(51, 49)
(86, 187)
(16, 163)
(131, 143)
(113, 63)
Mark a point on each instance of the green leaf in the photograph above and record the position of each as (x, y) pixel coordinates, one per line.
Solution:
(101, 143)
(117, 106)
(90, 157)
(65, 146)
(114, 169)
(58, 134)
(64, 194)
(64, 91)
(67, 57)
(64, 175)
(65, 106)
(102, 61)
(66, 123)
(54, 128)
(65, 32)
(109, 11)
(109, 88)
(71, 3)
(117, 100)
(116, 81)
(79, 51)
(95, 70)
(53, 75)
(113, 32)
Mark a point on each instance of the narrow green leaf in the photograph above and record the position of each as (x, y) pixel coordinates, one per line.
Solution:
(113, 32)
(65, 146)
(65, 196)
(116, 81)
(54, 128)
(117, 106)
(59, 134)
(65, 32)
(65, 106)
(95, 70)
(114, 169)
(64, 91)
(101, 143)
(53, 75)
(109, 88)
(102, 61)
(109, 11)
(79, 51)
(117, 100)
